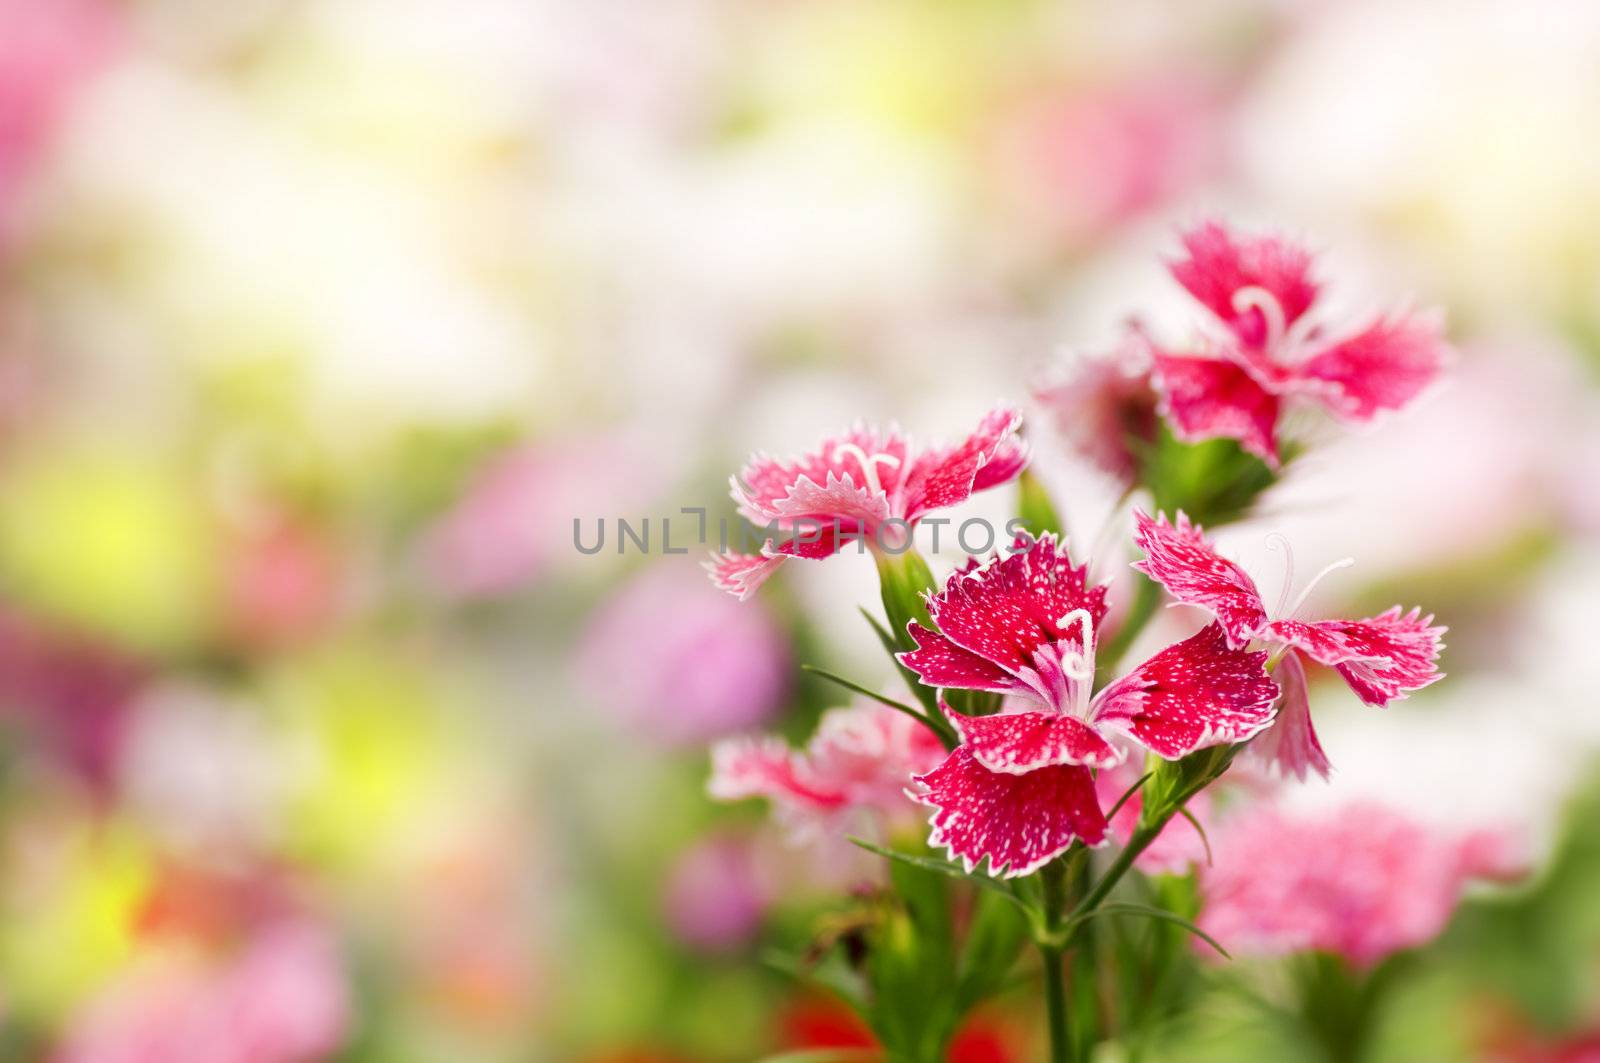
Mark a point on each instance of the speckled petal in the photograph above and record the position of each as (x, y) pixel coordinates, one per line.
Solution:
(948, 476)
(938, 662)
(1383, 367)
(1194, 694)
(1009, 608)
(1290, 744)
(1204, 397)
(1217, 264)
(1018, 823)
(1021, 742)
(1179, 557)
(1400, 653)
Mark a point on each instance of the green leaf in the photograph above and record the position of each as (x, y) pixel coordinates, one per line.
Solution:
(1034, 508)
(1127, 908)
(1183, 810)
(839, 979)
(994, 938)
(1129, 792)
(859, 689)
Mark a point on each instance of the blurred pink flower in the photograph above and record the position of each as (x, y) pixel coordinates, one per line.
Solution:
(46, 51)
(514, 521)
(1383, 658)
(1083, 161)
(281, 583)
(1271, 349)
(282, 999)
(868, 484)
(1360, 881)
(860, 760)
(1102, 405)
(671, 657)
(715, 895)
(73, 694)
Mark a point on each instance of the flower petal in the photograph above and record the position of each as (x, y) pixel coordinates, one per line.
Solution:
(767, 767)
(1219, 264)
(1020, 742)
(1204, 397)
(1290, 744)
(1196, 693)
(948, 476)
(938, 662)
(1400, 653)
(1102, 405)
(1324, 641)
(741, 574)
(1383, 367)
(1179, 557)
(768, 489)
(1018, 823)
(1010, 608)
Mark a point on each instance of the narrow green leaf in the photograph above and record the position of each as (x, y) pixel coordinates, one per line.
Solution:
(849, 684)
(1183, 810)
(1127, 908)
(843, 982)
(944, 867)
(1129, 793)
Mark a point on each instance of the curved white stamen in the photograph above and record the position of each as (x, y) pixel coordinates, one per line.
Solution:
(868, 463)
(1343, 562)
(1255, 297)
(1280, 541)
(1079, 666)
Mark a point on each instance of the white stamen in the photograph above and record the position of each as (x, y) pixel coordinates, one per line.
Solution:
(1280, 541)
(1285, 609)
(1344, 562)
(1079, 666)
(868, 463)
(1255, 297)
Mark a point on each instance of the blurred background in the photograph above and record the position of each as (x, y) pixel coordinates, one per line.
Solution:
(321, 321)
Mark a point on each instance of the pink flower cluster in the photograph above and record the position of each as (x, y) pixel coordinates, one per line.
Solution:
(1361, 882)
(1383, 658)
(1018, 790)
(1264, 351)
(858, 762)
(867, 485)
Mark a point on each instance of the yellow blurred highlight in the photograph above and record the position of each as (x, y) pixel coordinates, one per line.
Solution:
(78, 928)
(117, 545)
(370, 752)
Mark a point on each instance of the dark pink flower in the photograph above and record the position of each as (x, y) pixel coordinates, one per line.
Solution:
(858, 761)
(1361, 881)
(1270, 350)
(1018, 789)
(1383, 658)
(868, 485)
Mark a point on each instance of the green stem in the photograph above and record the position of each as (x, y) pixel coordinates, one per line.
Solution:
(1052, 880)
(1110, 653)
(1142, 836)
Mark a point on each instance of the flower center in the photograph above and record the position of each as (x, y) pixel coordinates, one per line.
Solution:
(868, 463)
(1078, 665)
(1283, 340)
(1286, 610)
